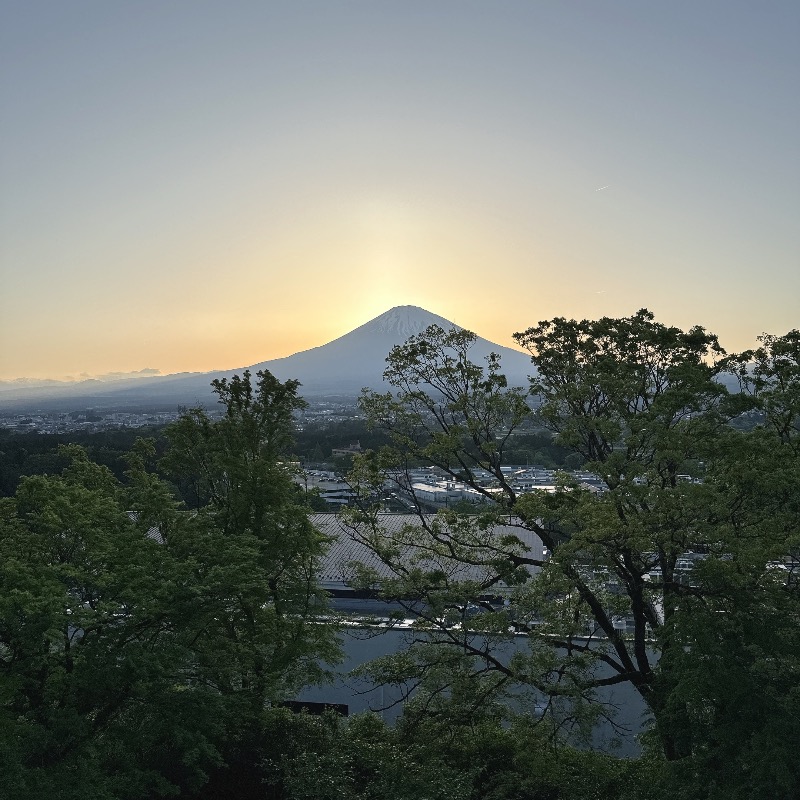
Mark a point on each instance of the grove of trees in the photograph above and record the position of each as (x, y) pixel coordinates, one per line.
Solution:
(140, 645)
(153, 621)
(693, 544)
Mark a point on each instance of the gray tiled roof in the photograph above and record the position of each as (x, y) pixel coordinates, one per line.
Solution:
(347, 545)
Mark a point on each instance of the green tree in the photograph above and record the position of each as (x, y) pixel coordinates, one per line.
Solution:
(141, 644)
(733, 687)
(256, 556)
(93, 644)
(641, 404)
(266, 586)
(328, 757)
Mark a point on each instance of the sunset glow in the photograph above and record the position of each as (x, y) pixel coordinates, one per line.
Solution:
(197, 186)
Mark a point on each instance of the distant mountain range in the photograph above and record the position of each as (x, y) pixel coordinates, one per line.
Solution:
(341, 367)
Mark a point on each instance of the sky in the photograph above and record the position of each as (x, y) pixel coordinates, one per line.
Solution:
(193, 185)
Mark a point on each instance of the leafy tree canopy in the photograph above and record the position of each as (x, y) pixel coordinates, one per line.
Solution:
(140, 644)
(670, 579)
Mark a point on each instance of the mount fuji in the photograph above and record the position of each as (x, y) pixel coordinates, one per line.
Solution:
(358, 359)
(341, 367)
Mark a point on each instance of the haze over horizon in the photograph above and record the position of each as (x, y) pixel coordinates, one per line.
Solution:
(194, 187)
(341, 367)
(377, 335)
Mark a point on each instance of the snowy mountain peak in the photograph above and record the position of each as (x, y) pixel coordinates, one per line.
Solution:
(405, 321)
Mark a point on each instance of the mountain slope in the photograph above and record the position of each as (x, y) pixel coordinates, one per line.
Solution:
(358, 358)
(341, 367)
